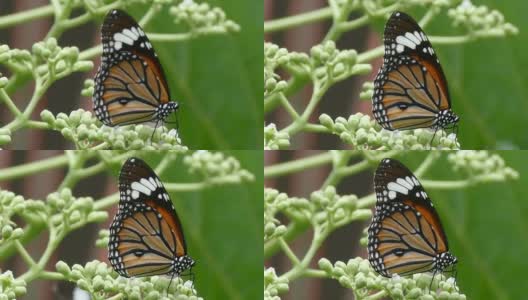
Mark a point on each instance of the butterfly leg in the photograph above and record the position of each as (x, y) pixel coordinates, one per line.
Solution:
(431, 142)
(170, 282)
(153, 132)
(432, 279)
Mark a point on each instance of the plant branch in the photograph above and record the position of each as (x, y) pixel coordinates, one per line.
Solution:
(297, 20)
(33, 167)
(24, 16)
(312, 161)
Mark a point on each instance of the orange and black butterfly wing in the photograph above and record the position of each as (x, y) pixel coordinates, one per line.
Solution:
(406, 235)
(130, 84)
(146, 236)
(410, 90)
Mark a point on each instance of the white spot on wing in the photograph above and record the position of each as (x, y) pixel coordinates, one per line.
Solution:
(412, 38)
(148, 184)
(404, 183)
(401, 40)
(138, 187)
(393, 186)
(130, 34)
(119, 37)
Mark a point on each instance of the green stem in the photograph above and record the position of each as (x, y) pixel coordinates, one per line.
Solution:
(37, 125)
(91, 52)
(339, 160)
(24, 254)
(8, 248)
(354, 169)
(147, 17)
(298, 270)
(293, 85)
(289, 108)
(316, 128)
(370, 54)
(47, 275)
(299, 123)
(297, 20)
(25, 16)
(451, 40)
(297, 165)
(33, 167)
(426, 164)
(351, 25)
(427, 18)
(315, 273)
(178, 37)
(289, 253)
(106, 201)
(292, 231)
(53, 242)
(9, 103)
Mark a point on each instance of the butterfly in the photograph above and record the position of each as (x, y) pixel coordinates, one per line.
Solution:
(130, 85)
(146, 236)
(410, 90)
(406, 235)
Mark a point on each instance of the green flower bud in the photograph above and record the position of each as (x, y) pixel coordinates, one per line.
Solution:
(17, 233)
(3, 82)
(7, 230)
(47, 117)
(62, 268)
(325, 265)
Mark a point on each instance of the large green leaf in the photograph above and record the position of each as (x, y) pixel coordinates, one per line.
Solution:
(217, 79)
(486, 226)
(487, 80)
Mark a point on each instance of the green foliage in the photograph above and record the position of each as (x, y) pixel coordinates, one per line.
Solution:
(102, 283)
(213, 194)
(486, 225)
(488, 83)
(199, 80)
(325, 66)
(286, 218)
(217, 79)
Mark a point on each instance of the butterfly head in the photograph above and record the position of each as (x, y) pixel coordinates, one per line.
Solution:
(182, 263)
(165, 109)
(444, 260)
(446, 118)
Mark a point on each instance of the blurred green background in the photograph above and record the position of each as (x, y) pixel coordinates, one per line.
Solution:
(222, 227)
(486, 226)
(488, 80)
(217, 79)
